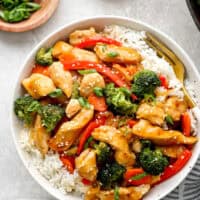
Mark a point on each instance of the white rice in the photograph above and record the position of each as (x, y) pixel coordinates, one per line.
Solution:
(51, 167)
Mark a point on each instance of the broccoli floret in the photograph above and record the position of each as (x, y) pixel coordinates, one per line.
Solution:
(51, 115)
(111, 174)
(44, 57)
(25, 108)
(118, 100)
(153, 161)
(146, 144)
(144, 83)
(103, 152)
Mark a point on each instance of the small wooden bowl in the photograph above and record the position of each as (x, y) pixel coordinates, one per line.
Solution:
(37, 18)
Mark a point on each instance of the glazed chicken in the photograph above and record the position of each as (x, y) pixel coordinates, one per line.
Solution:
(117, 54)
(154, 113)
(38, 85)
(64, 50)
(89, 82)
(61, 78)
(79, 36)
(130, 193)
(117, 140)
(175, 107)
(69, 131)
(86, 165)
(173, 151)
(159, 136)
(73, 107)
(39, 136)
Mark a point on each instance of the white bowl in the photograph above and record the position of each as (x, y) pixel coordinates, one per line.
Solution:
(158, 191)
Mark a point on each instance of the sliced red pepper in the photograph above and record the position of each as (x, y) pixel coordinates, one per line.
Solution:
(164, 81)
(174, 168)
(145, 180)
(90, 42)
(68, 162)
(134, 97)
(186, 124)
(101, 68)
(40, 70)
(99, 103)
(131, 122)
(88, 131)
(86, 182)
(130, 173)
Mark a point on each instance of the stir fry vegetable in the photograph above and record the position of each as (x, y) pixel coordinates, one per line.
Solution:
(44, 57)
(51, 115)
(13, 11)
(26, 108)
(144, 83)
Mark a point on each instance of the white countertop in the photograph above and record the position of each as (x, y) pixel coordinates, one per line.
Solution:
(171, 17)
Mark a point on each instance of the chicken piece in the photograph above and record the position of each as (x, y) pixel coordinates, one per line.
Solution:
(61, 78)
(38, 85)
(91, 194)
(62, 50)
(173, 151)
(155, 179)
(118, 141)
(153, 113)
(89, 82)
(86, 164)
(79, 36)
(125, 193)
(137, 146)
(73, 107)
(84, 55)
(161, 93)
(145, 130)
(116, 54)
(175, 107)
(69, 131)
(39, 136)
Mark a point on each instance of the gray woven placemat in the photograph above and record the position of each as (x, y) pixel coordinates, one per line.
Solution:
(190, 188)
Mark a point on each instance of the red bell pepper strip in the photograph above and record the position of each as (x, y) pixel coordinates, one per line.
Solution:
(174, 168)
(186, 124)
(40, 70)
(99, 103)
(68, 162)
(90, 42)
(101, 68)
(164, 81)
(145, 180)
(131, 122)
(134, 97)
(86, 182)
(131, 173)
(88, 131)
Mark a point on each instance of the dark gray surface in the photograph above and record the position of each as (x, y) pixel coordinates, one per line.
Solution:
(171, 16)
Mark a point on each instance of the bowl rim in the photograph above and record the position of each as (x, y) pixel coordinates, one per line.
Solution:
(51, 190)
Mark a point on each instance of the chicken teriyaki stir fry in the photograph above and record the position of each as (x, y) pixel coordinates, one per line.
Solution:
(90, 100)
